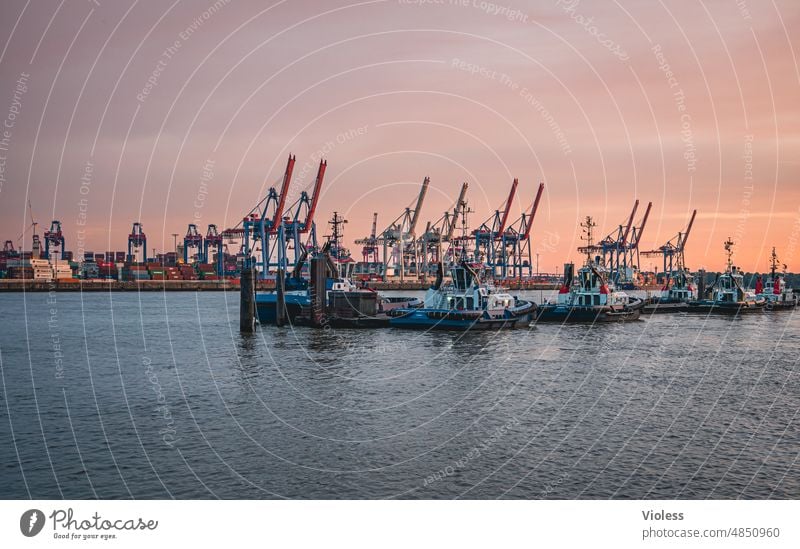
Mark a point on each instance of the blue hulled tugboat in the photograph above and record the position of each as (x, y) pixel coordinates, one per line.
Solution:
(348, 304)
(775, 292)
(588, 296)
(675, 295)
(464, 304)
(727, 295)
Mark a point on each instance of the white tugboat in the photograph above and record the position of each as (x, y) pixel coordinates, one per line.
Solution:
(679, 285)
(774, 290)
(588, 296)
(727, 294)
(465, 304)
(676, 294)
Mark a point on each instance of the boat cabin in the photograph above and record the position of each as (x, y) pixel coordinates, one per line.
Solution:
(590, 289)
(729, 286)
(680, 287)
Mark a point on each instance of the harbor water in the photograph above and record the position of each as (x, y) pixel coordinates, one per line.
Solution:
(158, 395)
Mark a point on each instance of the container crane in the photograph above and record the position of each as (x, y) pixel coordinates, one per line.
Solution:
(136, 241)
(213, 239)
(441, 232)
(300, 230)
(233, 236)
(516, 241)
(400, 235)
(370, 266)
(631, 260)
(611, 248)
(673, 250)
(369, 251)
(194, 240)
(266, 226)
(489, 247)
(54, 238)
(619, 251)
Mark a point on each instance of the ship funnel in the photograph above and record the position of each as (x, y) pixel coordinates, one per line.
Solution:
(569, 272)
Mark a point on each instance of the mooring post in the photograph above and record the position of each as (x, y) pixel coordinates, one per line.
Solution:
(319, 267)
(247, 303)
(701, 284)
(280, 305)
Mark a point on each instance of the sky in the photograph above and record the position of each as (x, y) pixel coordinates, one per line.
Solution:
(170, 113)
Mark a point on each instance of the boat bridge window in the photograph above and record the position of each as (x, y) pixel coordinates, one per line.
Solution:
(462, 278)
(461, 303)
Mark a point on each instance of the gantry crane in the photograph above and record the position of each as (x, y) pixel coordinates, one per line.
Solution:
(673, 251)
(213, 239)
(516, 242)
(369, 250)
(233, 236)
(619, 251)
(440, 233)
(137, 241)
(194, 240)
(401, 237)
(266, 227)
(489, 248)
(299, 231)
(54, 238)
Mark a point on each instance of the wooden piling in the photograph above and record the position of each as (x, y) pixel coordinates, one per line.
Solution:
(247, 300)
(701, 283)
(318, 276)
(280, 305)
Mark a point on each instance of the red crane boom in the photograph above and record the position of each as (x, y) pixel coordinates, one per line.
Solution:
(323, 164)
(688, 229)
(534, 207)
(630, 222)
(510, 200)
(644, 222)
(287, 177)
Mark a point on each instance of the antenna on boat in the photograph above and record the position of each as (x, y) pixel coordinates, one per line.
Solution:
(773, 263)
(588, 226)
(729, 251)
(465, 211)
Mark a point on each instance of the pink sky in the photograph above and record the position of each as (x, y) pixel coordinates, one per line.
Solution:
(575, 94)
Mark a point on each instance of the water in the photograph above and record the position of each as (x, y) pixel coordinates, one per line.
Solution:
(159, 396)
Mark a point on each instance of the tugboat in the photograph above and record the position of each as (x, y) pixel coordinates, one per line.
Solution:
(727, 295)
(466, 303)
(588, 297)
(342, 296)
(675, 295)
(777, 295)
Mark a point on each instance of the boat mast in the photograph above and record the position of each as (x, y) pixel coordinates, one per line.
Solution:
(587, 226)
(729, 252)
(464, 251)
(774, 263)
(335, 242)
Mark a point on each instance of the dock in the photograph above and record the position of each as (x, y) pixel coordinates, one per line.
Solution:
(228, 284)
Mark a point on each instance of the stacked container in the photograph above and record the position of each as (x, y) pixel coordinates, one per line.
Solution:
(19, 269)
(156, 271)
(188, 272)
(132, 271)
(61, 270)
(107, 270)
(208, 272)
(173, 273)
